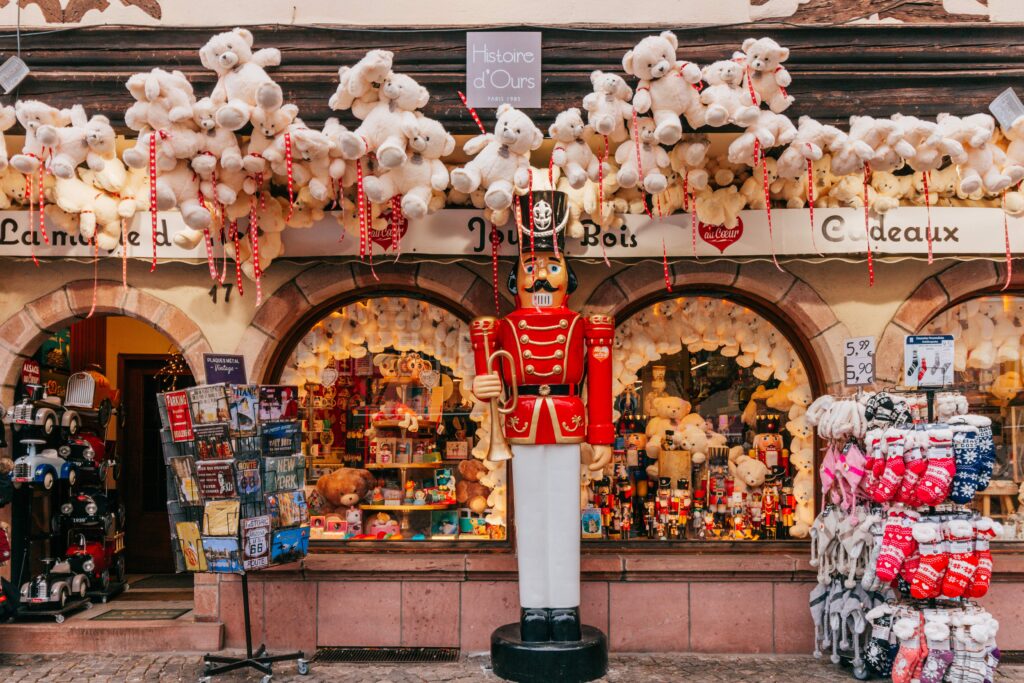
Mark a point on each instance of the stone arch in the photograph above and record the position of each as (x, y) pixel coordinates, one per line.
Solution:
(957, 283)
(791, 304)
(317, 288)
(25, 330)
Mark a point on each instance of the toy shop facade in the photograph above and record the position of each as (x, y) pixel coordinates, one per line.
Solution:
(708, 510)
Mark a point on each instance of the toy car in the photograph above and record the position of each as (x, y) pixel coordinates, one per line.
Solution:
(41, 468)
(93, 509)
(100, 559)
(87, 454)
(54, 587)
(93, 399)
(38, 411)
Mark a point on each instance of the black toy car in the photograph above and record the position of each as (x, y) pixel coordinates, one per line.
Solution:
(92, 509)
(37, 414)
(87, 454)
(52, 589)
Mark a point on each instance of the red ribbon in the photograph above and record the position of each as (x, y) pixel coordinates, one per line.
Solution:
(95, 275)
(494, 267)
(361, 209)
(162, 134)
(600, 179)
(693, 224)
(867, 227)
(208, 241)
(291, 177)
(760, 158)
(124, 255)
(928, 208)
(472, 112)
(254, 241)
(533, 250)
(664, 265)
(640, 166)
(397, 219)
(551, 185)
(1006, 236)
(750, 84)
(810, 202)
(233, 233)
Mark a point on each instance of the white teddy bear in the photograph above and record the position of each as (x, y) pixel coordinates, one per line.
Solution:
(7, 121)
(608, 108)
(217, 144)
(652, 160)
(362, 81)
(267, 126)
(179, 188)
(885, 138)
(420, 175)
(384, 127)
(689, 158)
(726, 99)
(88, 141)
(720, 207)
(32, 115)
(162, 98)
(242, 82)
(501, 160)
(769, 130)
(666, 86)
(811, 141)
(763, 59)
(571, 152)
(983, 163)
(310, 150)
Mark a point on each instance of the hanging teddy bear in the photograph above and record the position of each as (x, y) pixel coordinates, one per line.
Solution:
(267, 126)
(385, 127)
(242, 82)
(217, 144)
(608, 107)
(7, 120)
(422, 173)
(762, 60)
(726, 99)
(689, 158)
(769, 130)
(179, 188)
(97, 211)
(571, 152)
(983, 165)
(362, 81)
(885, 138)
(501, 160)
(810, 143)
(643, 168)
(161, 98)
(310, 159)
(666, 87)
(720, 207)
(84, 141)
(33, 114)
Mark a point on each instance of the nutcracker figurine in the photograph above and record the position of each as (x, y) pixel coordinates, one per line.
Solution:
(541, 352)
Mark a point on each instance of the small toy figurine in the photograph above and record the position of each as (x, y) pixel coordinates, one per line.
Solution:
(377, 497)
(421, 497)
(410, 491)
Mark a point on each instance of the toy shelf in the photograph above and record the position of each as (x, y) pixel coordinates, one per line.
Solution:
(409, 508)
(406, 466)
(394, 424)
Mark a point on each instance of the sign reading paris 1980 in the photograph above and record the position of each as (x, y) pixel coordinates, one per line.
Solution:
(503, 68)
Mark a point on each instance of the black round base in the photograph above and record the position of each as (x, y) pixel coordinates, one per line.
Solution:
(572, 662)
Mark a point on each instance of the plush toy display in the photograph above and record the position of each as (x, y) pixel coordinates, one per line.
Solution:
(421, 175)
(362, 81)
(388, 123)
(721, 206)
(32, 115)
(665, 88)
(608, 107)
(810, 143)
(644, 168)
(345, 487)
(571, 152)
(242, 82)
(217, 145)
(767, 131)
(469, 492)
(726, 99)
(162, 98)
(501, 160)
(666, 416)
(763, 58)
(84, 141)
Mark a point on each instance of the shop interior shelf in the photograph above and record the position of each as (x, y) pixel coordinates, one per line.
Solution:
(409, 508)
(394, 424)
(406, 466)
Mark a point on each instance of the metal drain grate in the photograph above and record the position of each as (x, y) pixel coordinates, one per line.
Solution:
(1012, 656)
(386, 655)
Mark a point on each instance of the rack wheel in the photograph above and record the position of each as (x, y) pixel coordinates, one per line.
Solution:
(204, 679)
(59, 618)
(267, 679)
(303, 667)
(88, 603)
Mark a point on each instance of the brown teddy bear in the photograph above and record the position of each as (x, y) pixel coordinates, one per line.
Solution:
(469, 492)
(345, 487)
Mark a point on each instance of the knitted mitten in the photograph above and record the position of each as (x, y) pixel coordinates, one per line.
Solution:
(934, 485)
(962, 562)
(966, 459)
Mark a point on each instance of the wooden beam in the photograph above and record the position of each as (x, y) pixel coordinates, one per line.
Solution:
(837, 71)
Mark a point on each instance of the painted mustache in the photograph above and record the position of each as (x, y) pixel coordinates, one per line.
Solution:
(541, 285)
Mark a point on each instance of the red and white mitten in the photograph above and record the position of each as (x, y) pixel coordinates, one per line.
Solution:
(889, 483)
(985, 530)
(897, 543)
(927, 580)
(938, 477)
(914, 463)
(962, 562)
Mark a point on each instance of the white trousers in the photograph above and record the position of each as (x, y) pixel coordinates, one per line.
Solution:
(546, 486)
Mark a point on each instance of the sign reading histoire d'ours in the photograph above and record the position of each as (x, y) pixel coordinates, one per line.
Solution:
(503, 67)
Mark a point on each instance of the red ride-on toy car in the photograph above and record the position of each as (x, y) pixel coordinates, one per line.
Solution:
(94, 400)
(102, 559)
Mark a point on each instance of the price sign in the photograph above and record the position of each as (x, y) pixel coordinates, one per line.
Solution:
(928, 360)
(859, 359)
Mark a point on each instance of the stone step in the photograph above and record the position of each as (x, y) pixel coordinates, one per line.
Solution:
(183, 634)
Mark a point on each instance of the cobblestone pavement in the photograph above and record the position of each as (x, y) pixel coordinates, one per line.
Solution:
(168, 668)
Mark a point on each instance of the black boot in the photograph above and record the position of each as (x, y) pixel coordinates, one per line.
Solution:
(565, 625)
(534, 625)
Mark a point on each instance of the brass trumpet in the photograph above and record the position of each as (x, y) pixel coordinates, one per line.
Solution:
(498, 448)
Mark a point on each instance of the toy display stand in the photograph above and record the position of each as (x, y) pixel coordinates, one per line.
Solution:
(570, 662)
(260, 660)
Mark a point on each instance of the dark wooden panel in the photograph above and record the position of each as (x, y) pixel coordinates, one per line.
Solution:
(837, 72)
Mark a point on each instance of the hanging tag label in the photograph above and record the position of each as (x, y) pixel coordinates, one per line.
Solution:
(859, 359)
(12, 72)
(1007, 108)
(928, 360)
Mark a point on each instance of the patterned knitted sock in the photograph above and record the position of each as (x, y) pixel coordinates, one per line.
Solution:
(934, 485)
(878, 654)
(985, 530)
(965, 456)
(962, 562)
(992, 657)
(915, 464)
(986, 449)
(897, 543)
(909, 655)
(889, 483)
(874, 463)
(940, 655)
(927, 581)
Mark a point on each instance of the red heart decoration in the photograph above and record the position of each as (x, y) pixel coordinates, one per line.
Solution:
(386, 237)
(719, 236)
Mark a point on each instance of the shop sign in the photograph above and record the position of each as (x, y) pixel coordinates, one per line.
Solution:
(222, 367)
(464, 232)
(30, 372)
(928, 360)
(503, 67)
(859, 360)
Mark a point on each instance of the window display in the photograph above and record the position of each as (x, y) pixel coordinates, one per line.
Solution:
(987, 369)
(389, 428)
(712, 443)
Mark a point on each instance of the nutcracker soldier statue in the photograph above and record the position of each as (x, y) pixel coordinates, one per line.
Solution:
(542, 352)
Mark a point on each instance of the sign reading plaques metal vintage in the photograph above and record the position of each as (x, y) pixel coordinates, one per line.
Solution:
(503, 68)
